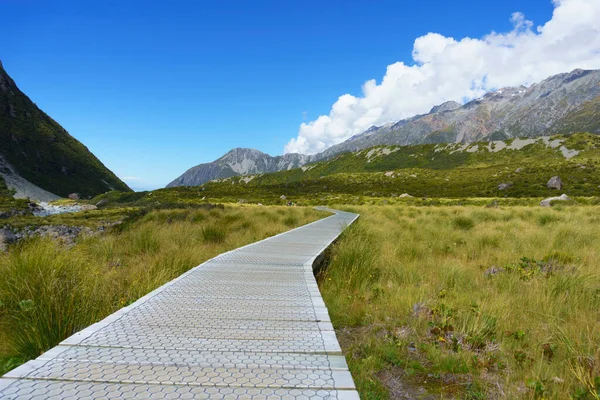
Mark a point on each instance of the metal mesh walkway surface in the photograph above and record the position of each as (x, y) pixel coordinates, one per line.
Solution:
(247, 324)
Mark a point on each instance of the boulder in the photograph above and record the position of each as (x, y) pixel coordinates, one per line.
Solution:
(504, 186)
(6, 237)
(548, 202)
(282, 197)
(405, 195)
(555, 183)
(518, 170)
(73, 196)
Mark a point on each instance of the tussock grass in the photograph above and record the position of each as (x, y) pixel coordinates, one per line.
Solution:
(470, 302)
(49, 291)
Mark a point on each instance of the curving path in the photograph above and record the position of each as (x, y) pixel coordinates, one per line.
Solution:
(248, 324)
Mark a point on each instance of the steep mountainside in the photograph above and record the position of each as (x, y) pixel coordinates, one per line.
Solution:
(561, 104)
(43, 153)
(238, 162)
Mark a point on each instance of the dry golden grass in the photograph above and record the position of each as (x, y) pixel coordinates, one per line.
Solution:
(49, 291)
(411, 290)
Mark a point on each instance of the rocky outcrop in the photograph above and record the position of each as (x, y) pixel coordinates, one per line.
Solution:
(22, 187)
(555, 183)
(548, 202)
(504, 186)
(6, 238)
(64, 233)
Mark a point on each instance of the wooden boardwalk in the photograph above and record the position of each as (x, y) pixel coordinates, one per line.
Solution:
(247, 324)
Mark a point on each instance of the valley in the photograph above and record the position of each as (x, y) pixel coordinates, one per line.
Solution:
(472, 272)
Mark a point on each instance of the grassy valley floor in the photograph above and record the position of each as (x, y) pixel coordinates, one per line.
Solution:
(469, 302)
(51, 290)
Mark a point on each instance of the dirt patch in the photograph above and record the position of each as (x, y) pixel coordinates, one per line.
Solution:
(400, 388)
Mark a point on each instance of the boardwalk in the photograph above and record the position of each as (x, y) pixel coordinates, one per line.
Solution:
(248, 324)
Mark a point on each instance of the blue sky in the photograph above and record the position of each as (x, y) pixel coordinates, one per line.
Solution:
(153, 88)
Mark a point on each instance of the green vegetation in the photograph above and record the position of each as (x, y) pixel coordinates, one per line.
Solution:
(4, 191)
(43, 152)
(469, 302)
(462, 291)
(424, 171)
(49, 291)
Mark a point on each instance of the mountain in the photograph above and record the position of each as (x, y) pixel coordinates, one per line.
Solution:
(239, 162)
(512, 168)
(37, 152)
(561, 104)
(432, 173)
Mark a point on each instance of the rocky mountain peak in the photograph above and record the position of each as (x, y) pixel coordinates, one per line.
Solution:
(242, 152)
(447, 106)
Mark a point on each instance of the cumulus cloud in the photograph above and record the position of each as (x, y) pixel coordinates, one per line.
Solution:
(446, 69)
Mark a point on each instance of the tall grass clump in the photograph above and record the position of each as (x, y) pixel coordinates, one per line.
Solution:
(214, 234)
(463, 223)
(354, 260)
(47, 293)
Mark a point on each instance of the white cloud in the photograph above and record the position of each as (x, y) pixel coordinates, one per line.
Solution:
(448, 69)
(131, 178)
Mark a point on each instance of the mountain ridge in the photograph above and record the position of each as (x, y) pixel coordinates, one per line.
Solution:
(239, 161)
(560, 104)
(43, 153)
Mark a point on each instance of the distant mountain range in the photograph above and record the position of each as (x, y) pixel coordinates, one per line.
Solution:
(564, 103)
(38, 157)
(239, 162)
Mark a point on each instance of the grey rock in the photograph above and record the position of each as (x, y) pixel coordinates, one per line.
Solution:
(282, 197)
(405, 195)
(74, 196)
(555, 183)
(548, 202)
(493, 271)
(6, 238)
(519, 170)
(420, 309)
(504, 186)
(102, 203)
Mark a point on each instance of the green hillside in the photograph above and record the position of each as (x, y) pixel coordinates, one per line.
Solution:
(440, 170)
(43, 152)
(432, 171)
